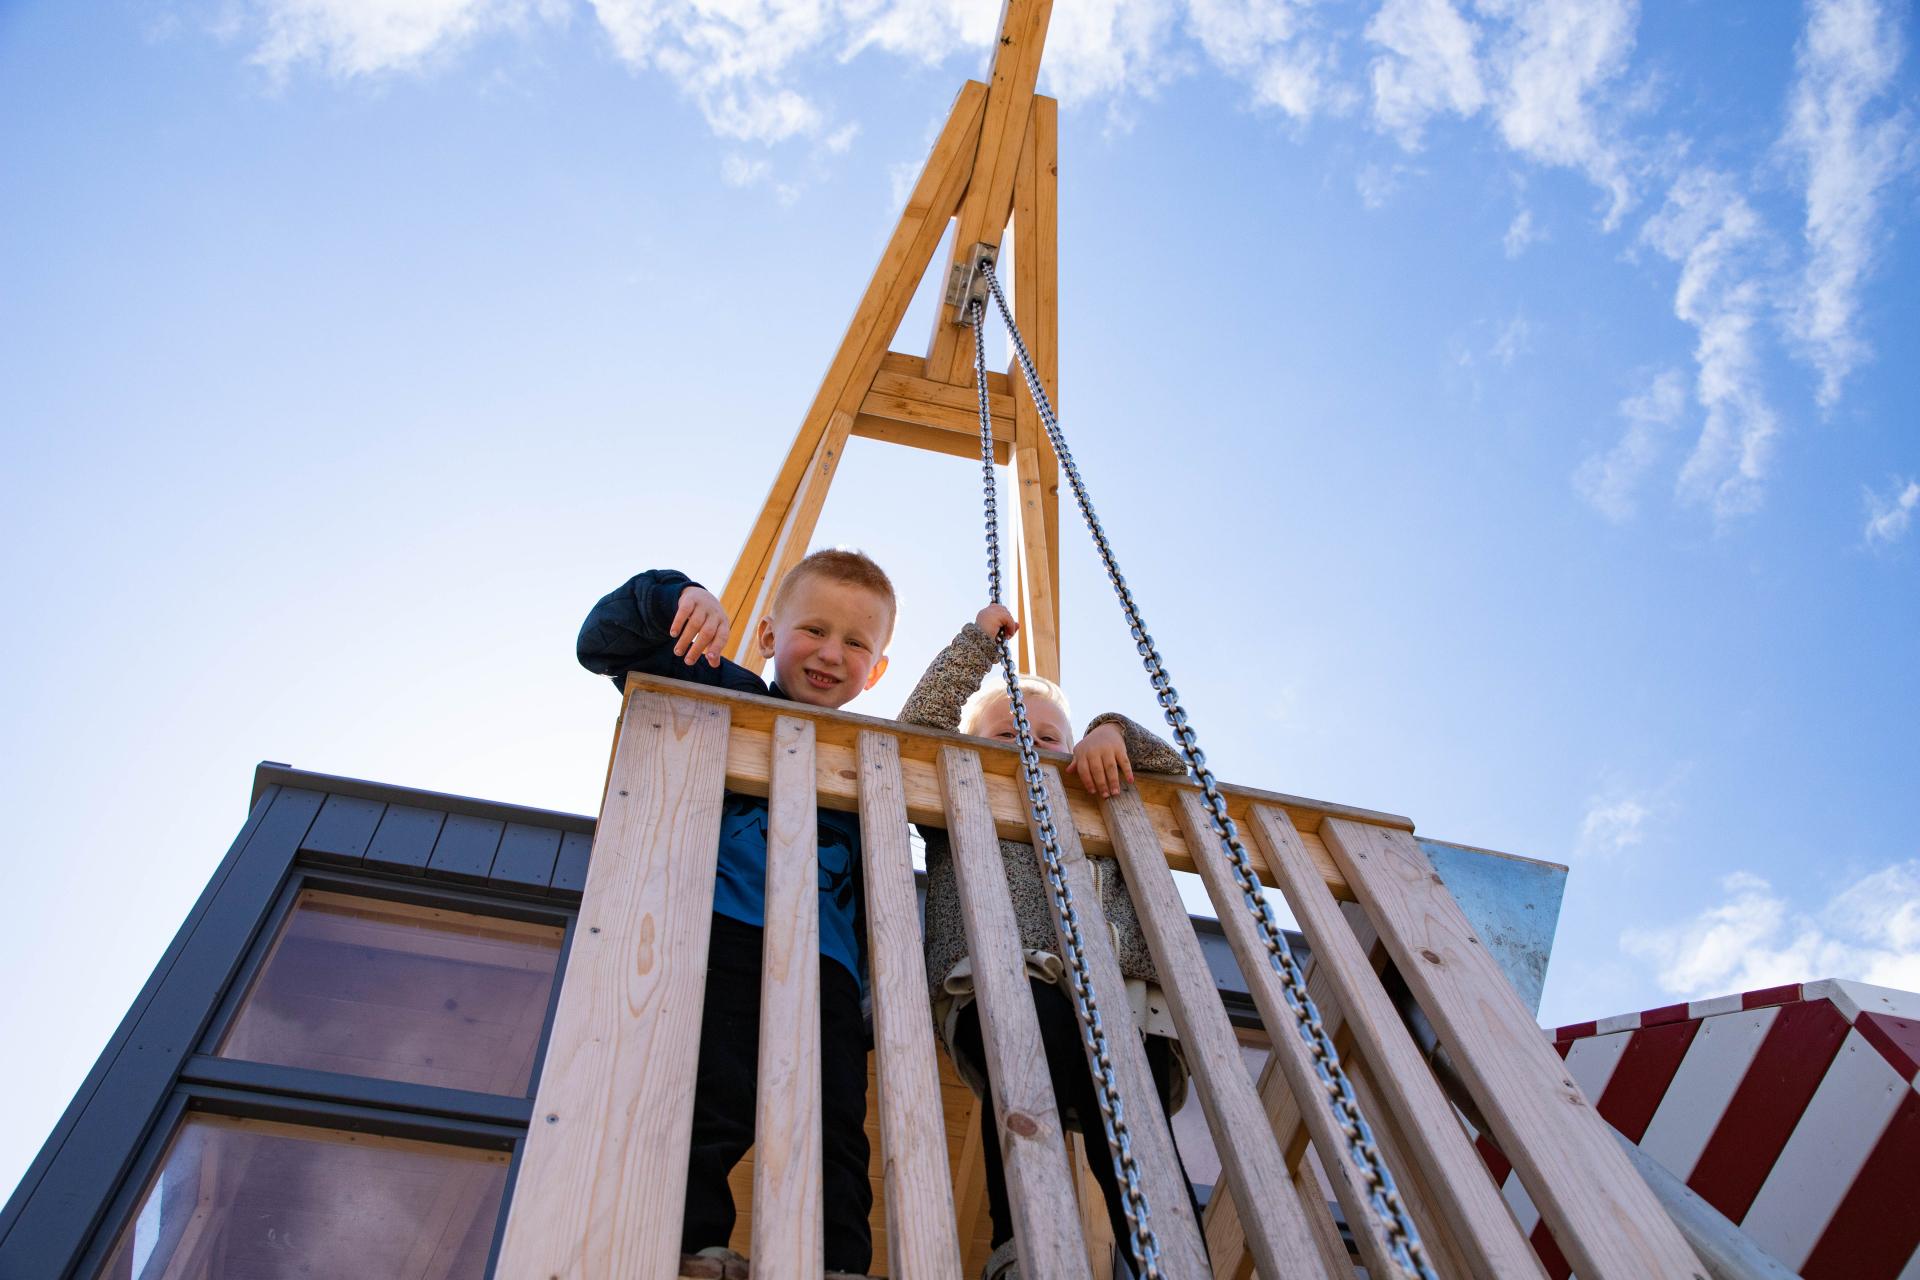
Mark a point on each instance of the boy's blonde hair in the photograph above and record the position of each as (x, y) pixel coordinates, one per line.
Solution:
(835, 564)
(994, 687)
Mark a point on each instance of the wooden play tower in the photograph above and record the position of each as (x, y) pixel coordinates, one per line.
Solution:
(601, 1179)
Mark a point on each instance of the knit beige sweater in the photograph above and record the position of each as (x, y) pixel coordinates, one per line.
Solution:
(936, 702)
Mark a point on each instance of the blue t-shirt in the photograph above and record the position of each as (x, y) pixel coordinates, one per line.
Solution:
(740, 884)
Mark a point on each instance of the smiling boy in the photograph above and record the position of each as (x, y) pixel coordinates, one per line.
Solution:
(826, 635)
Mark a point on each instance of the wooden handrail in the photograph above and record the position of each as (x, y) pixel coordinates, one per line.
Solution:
(602, 1179)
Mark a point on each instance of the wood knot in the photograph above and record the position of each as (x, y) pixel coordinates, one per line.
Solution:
(1022, 1123)
(1430, 957)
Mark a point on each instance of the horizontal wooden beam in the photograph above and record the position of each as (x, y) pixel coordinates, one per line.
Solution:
(837, 767)
(907, 397)
(999, 385)
(933, 439)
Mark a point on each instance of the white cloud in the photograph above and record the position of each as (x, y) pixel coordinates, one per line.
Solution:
(1521, 234)
(1869, 932)
(370, 37)
(1888, 517)
(1377, 183)
(1608, 480)
(1513, 340)
(1552, 67)
(1846, 59)
(1713, 233)
(1275, 46)
(1429, 66)
(1613, 823)
(740, 171)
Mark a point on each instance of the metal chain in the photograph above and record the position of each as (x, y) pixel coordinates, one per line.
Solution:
(1142, 1242)
(1402, 1236)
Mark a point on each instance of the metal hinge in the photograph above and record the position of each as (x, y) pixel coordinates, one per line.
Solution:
(966, 282)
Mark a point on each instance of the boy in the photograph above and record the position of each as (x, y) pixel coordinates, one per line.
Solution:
(827, 636)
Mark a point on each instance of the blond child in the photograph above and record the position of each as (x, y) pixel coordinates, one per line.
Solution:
(826, 635)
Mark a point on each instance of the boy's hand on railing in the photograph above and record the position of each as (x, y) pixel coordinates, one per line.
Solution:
(700, 628)
(1100, 759)
(998, 622)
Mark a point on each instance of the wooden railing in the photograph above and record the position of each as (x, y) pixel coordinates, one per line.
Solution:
(602, 1179)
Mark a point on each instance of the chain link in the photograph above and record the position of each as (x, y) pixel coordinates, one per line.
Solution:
(1402, 1237)
(1142, 1242)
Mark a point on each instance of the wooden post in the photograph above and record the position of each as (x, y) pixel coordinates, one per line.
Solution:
(1453, 1172)
(603, 1176)
(1249, 1153)
(1288, 1049)
(1603, 1216)
(787, 1232)
(922, 1241)
(1039, 1180)
(1036, 309)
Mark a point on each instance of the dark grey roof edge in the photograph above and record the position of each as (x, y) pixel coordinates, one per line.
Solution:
(272, 773)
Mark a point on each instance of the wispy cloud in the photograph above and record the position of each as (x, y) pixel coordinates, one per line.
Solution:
(1428, 64)
(367, 37)
(1521, 234)
(1888, 517)
(1708, 227)
(1614, 822)
(1869, 931)
(1846, 154)
(1610, 480)
(1514, 340)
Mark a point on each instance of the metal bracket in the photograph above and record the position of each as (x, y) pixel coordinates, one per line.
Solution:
(965, 281)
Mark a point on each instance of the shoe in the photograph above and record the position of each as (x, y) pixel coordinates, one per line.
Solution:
(1004, 1264)
(715, 1262)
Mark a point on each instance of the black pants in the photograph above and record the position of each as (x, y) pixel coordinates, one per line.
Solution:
(1072, 1087)
(723, 1099)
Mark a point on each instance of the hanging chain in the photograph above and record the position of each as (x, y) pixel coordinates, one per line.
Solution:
(1142, 1242)
(1402, 1236)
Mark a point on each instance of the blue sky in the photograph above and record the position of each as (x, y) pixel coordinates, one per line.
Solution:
(1504, 408)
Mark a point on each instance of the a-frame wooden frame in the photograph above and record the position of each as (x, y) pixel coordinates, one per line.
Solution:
(993, 163)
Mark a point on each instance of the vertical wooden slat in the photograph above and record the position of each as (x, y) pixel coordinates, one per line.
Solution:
(1469, 1202)
(922, 1240)
(603, 1176)
(787, 1232)
(1249, 1153)
(1289, 1050)
(1039, 1181)
(1181, 1250)
(1603, 1216)
(1036, 309)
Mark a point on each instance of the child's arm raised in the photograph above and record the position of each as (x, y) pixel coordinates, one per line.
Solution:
(956, 671)
(653, 622)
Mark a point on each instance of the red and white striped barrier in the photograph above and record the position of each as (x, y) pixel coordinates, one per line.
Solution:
(1794, 1111)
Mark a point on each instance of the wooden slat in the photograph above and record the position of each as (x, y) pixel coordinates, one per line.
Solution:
(1249, 1153)
(1603, 1216)
(915, 238)
(1000, 388)
(602, 1177)
(788, 1240)
(1036, 309)
(908, 397)
(837, 768)
(989, 202)
(1039, 1181)
(1288, 1048)
(1181, 1250)
(1469, 1202)
(923, 1242)
(931, 439)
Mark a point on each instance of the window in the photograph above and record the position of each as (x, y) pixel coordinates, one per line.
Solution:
(242, 1199)
(396, 991)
